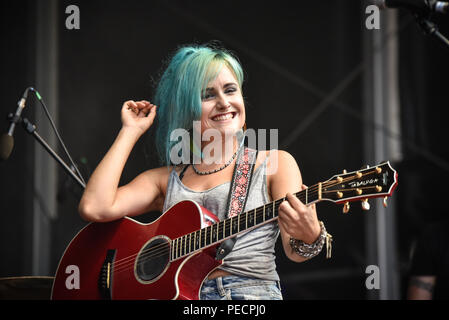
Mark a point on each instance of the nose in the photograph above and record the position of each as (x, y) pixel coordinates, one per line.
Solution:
(222, 102)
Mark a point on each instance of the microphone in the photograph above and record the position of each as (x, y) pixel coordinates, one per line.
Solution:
(416, 6)
(7, 140)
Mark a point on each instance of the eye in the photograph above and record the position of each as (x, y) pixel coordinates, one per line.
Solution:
(231, 90)
(207, 96)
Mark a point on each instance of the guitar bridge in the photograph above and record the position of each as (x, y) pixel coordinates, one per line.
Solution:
(105, 277)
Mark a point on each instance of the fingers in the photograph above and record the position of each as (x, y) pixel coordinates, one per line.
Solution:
(295, 217)
(140, 108)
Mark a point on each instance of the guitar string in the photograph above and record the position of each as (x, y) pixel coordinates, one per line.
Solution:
(226, 223)
(151, 253)
(179, 252)
(164, 248)
(220, 225)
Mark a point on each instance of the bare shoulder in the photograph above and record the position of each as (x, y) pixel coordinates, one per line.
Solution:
(283, 174)
(279, 161)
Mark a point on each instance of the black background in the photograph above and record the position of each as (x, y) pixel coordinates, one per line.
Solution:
(292, 55)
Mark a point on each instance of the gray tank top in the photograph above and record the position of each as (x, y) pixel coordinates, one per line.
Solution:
(253, 253)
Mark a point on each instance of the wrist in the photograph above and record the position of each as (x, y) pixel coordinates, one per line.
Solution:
(313, 249)
(132, 132)
(314, 235)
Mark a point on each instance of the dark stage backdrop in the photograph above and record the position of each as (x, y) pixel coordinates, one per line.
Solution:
(292, 56)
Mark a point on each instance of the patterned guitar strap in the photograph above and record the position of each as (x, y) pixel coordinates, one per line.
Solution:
(238, 193)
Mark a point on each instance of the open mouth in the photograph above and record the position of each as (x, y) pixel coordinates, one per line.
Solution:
(224, 116)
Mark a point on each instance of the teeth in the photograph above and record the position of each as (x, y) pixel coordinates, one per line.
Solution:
(223, 117)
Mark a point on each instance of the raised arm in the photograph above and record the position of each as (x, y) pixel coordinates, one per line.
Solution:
(102, 199)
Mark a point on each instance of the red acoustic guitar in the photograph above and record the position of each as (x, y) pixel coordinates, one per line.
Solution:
(172, 256)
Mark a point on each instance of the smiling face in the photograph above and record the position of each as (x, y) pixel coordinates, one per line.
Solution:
(222, 104)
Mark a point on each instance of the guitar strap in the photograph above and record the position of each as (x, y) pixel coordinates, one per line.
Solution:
(238, 193)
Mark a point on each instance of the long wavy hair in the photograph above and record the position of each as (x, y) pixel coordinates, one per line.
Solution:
(181, 87)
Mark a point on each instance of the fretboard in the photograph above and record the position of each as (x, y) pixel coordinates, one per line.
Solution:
(233, 226)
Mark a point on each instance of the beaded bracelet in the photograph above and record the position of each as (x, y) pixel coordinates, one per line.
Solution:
(311, 250)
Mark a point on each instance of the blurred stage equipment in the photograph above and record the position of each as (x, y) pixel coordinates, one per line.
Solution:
(31, 287)
(25, 288)
(422, 11)
(7, 141)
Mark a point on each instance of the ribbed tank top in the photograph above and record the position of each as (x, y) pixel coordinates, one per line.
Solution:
(253, 254)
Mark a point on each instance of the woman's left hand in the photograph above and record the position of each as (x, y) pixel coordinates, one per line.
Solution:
(298, 220)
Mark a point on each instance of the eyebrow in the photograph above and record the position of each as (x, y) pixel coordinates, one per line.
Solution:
(225, 86)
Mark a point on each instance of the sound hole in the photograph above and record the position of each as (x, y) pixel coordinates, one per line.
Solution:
(153, 259)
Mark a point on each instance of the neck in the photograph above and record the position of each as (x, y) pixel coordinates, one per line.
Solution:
(218, 152)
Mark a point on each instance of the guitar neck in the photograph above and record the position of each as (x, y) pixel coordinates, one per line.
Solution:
(233, 226)
(372, 182)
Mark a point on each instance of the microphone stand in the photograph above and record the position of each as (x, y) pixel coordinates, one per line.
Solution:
(31, 129)
(431, 28)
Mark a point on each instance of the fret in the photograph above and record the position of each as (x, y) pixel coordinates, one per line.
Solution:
(231, 226)
(223, 224)
(270, 214)
(307, 191)
(203, 238)
(266, 211)
(215, 232)
(201, 231)
(184, 241)
(179, 247)
(176, 248)
(171, 251)
(211, 232)
(273, 210)
(255, 216)
(238, 223)
(185, 244)
(251, 220)
(234, 225)
(195, 241)
(189, 248)
(226, 234)
(206, 236)
(246, 220)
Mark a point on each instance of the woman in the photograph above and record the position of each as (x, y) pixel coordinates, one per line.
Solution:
(204, 83)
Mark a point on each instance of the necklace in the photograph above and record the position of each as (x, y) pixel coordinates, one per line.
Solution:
(216, 170)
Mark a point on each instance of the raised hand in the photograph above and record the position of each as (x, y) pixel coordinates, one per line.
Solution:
(138, 114)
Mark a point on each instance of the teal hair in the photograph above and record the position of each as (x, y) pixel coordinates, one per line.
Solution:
(178, 94)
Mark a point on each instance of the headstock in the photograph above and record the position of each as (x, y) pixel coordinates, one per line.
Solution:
(372, 182)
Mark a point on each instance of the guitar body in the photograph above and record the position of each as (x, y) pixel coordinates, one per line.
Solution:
(101, 261)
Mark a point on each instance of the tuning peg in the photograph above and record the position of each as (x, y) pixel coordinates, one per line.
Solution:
(365, 204)
(346, 207)
(384, 202)
(344, 171)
